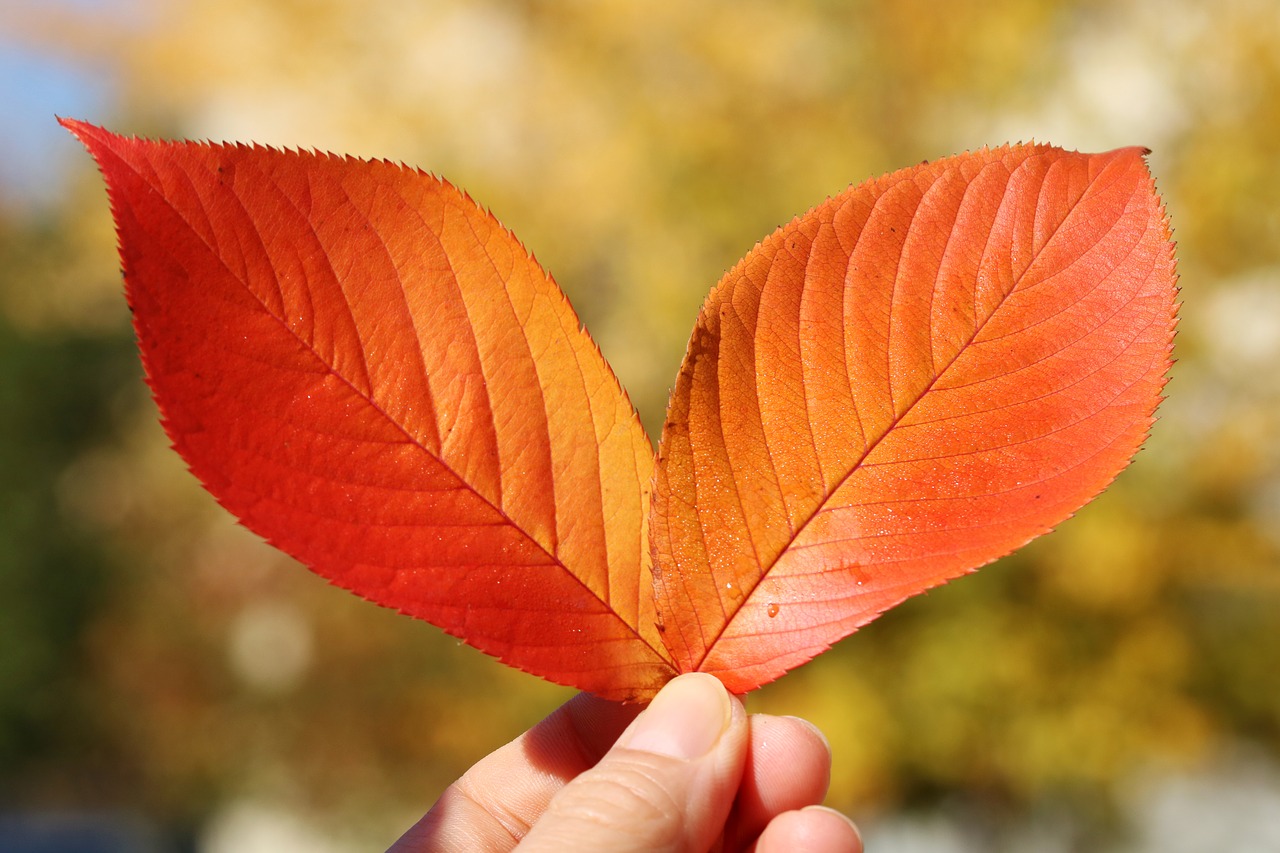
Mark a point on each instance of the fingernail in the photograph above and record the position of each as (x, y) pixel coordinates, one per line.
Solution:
(685, 720)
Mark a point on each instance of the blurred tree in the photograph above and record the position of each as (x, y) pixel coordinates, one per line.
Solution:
(57, 394)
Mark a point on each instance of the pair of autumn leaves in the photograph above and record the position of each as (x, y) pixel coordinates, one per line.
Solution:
(903, 384)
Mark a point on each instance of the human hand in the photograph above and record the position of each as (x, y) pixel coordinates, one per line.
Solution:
(691, 772)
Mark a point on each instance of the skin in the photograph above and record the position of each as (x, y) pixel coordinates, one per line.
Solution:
(691, 772)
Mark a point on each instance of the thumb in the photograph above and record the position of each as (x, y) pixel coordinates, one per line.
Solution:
(666, 785)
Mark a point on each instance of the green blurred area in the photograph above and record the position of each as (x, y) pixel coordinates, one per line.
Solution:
(158, 659)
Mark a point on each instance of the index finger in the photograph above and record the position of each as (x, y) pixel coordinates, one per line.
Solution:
(495, 802)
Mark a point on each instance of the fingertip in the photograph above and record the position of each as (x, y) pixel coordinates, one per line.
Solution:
(668, 783)
(686, 720)
(816, 829)
(813, 730)
(837, 823)
(788, 767)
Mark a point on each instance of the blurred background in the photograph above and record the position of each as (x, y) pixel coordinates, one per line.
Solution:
(170, 683)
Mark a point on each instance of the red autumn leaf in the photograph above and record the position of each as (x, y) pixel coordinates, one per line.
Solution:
(917, 377)
(907, 382)
(375, 376)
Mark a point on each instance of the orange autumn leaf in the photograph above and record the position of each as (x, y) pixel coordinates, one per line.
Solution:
(375, 376)
(907, 382)
(901, 385)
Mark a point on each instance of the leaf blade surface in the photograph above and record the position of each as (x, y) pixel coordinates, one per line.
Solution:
(909, 381)
(374, 375)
